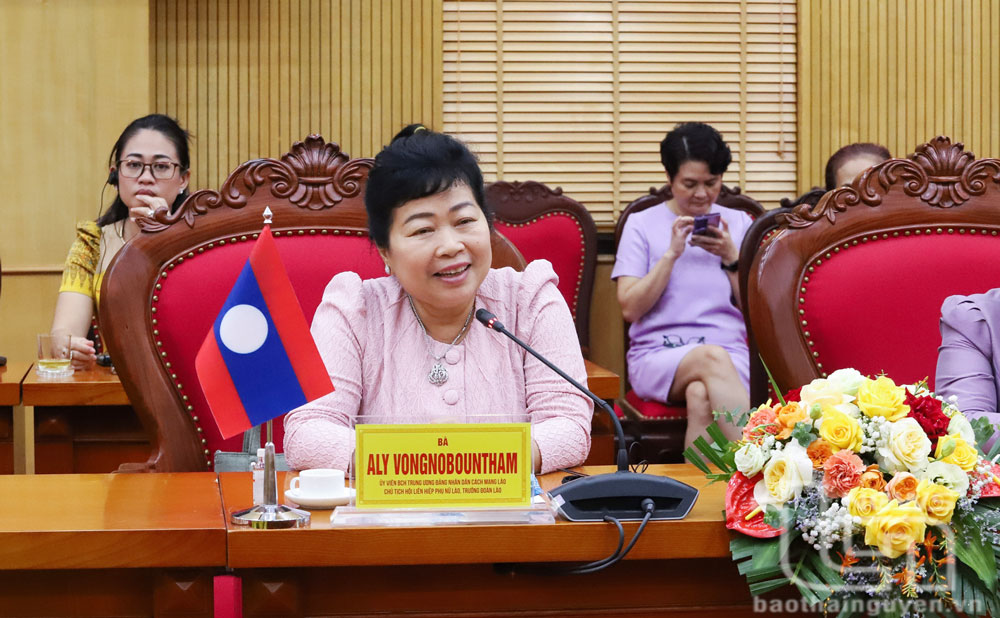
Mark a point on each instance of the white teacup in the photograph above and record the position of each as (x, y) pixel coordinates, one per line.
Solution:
(319, 483)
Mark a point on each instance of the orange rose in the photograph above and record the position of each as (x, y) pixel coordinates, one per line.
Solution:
(819, 451)
(872, 478)
(902, 487)
(787, 416)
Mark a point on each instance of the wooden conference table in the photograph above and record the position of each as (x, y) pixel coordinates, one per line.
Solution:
(139, 545)
(11, 376)
(108, 421)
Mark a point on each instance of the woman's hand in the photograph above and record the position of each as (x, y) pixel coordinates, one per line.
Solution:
(717, 241)
(82, 353)
(679, 232)
(152, 204)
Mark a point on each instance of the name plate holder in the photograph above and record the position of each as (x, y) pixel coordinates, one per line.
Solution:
(443, 474)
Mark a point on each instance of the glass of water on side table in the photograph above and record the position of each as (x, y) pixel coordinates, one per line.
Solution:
(54, 356)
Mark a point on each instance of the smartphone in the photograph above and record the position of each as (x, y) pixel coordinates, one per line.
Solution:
(702, 222)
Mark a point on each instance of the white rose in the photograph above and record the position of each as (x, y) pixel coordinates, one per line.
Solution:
(786, 473)
(823, 392)
(947, 474)
(960, 425)
(906, 449)
(750, 459)
(846, 381)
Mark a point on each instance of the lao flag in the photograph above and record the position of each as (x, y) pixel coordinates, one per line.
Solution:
(259, 361)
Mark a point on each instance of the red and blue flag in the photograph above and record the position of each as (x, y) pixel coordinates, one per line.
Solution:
(259, 360)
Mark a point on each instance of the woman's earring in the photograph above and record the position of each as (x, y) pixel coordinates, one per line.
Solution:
(387, 269)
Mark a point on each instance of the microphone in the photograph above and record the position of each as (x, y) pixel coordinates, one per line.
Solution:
(620, 494)
(491, 321)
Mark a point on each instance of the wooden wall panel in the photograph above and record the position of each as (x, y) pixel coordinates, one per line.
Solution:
(896, 72)
(73, 73)
(249, 77)
(578, 94)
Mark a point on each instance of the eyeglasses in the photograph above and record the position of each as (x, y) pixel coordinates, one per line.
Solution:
(161, 170)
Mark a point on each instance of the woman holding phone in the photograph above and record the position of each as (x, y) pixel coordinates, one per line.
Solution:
(676, 274)
(148, 167)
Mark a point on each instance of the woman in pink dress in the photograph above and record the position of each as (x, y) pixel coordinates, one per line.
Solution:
(406, 347)
(678, 289)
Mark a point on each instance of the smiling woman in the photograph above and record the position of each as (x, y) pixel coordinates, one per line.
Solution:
(403, 348)
(149, 167)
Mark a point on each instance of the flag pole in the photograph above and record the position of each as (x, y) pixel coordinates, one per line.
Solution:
(271, 515)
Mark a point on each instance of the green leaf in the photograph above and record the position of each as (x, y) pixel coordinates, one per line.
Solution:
(758, 575)
(720, 438)
(829, 575)
(976, 554)
(710, 453)
(803, 434)
(770, 378)
(773, 516)
(762, 587)
(691, 455)
(983, 430)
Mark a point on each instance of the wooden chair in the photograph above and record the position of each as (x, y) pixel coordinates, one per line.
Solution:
(544, 223)
(662, 424)
(858, 279)
(164, 289)
(760, 232)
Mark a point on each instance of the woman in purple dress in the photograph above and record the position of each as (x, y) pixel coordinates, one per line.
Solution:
(678, 288)
(967, 364)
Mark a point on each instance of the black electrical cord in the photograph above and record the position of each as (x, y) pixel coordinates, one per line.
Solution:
(648, 506)
(591, 567)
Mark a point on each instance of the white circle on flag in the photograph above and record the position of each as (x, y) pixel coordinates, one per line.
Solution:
(243, 329)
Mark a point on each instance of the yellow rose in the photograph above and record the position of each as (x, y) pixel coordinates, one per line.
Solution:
(937, 501)
(840, 430)
(881, 397)
(863, 502)
(894, 528)
(964, 456)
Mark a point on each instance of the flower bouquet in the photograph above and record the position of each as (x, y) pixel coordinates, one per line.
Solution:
(870, 498)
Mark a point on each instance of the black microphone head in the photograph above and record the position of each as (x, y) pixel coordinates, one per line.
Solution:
(488, 319)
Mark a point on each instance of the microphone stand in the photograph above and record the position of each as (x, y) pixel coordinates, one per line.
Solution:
(623, 495)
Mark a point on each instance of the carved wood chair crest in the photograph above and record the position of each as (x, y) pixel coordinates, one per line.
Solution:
(876, 256)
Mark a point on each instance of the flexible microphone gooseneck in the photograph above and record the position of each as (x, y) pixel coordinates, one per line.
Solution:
(622, 495)
(491, 321)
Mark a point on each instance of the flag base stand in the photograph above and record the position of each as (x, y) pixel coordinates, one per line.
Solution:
(270, 515)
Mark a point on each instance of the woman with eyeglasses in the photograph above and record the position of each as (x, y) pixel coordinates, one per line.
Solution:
(149, 167)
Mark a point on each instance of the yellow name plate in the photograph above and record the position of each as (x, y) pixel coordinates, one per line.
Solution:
(443, 465)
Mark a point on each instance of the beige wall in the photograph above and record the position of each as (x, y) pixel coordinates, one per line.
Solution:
(897, 72)
(73, 74)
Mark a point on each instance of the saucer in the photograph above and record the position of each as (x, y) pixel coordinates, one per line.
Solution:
(317, 502)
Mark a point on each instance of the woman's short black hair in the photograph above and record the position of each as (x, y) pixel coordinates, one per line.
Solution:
(848, 152)
(418, 163)
(171, 130)
(694, 141)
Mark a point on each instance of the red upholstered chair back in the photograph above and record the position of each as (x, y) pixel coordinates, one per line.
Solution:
(858, 279)
(164, 289)
(544, 223)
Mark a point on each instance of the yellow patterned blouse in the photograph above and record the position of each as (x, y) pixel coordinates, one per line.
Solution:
(80, 271)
